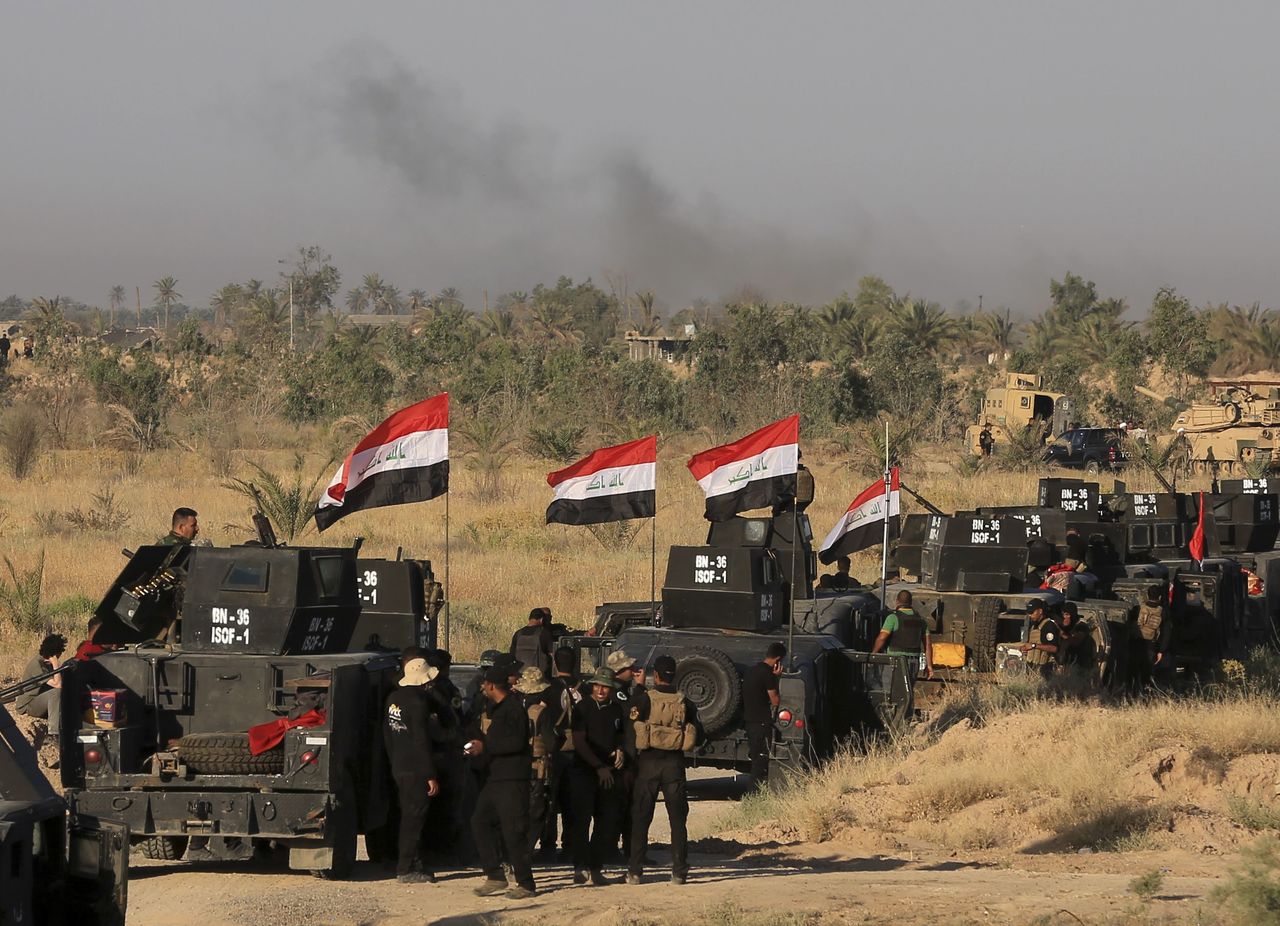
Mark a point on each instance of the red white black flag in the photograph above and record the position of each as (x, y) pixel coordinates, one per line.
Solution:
(404, 459)
(862, 525)
(612, 484)
(755, 471)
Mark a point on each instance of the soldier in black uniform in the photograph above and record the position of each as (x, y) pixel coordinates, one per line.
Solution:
(666, 726)
(501, 817)
(406, 732)
(544, 716)
(565, 686)
(599, 757)
(759, 701)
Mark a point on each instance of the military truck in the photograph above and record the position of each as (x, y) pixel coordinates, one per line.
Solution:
(723, 603)
(1236, 431)
(55, 867)
(215, 642)
(1021, 403)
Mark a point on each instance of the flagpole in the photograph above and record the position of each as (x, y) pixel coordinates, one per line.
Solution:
(795, 538)
(447, 595)
(653, 565)
(884, 548)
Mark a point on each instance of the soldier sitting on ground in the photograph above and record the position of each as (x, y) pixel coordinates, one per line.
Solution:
(45, 702)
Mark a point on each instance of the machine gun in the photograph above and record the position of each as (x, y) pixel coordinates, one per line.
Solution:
(13, 692)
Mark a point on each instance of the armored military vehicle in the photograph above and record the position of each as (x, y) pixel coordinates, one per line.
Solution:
(723, 603)
(1021, 403)
(246, 699)
(1237, 431)
(55, 868)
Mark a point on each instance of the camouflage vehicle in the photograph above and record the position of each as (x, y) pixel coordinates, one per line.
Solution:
(722, 604)
(299, 642)
(55, 867)
(1021, 403)
(1237, 431)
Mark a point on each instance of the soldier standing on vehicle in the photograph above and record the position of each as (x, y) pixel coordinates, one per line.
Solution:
(1041, 649)
(906, 633)
(666, 727)
(45, 701)
(599, 757)
(183, 528)
(406, 732)
(500, 822)
(986, 441)
(544, 714)
(759, 703)
(531, 645)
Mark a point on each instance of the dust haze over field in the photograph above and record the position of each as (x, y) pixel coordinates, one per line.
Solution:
(955, 150)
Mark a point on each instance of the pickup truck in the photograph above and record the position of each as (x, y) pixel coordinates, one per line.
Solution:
(1089, 449)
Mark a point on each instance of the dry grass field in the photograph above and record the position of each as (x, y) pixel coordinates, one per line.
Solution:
(503, 558)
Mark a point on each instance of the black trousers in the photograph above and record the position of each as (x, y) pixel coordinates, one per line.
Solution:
(595, 818)
(562, 802)
(660, 771)
(759, 737)
(500, 823)
(411, 788)
(539, 808)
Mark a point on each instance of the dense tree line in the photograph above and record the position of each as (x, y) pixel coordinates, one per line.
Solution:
(551, 363)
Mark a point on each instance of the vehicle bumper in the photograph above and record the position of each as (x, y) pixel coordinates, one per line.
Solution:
(274, 815)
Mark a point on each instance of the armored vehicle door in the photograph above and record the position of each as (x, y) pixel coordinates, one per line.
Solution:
(872, 693)
(97, 872)
(1064, 410)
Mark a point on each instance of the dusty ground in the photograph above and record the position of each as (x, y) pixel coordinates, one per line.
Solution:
(734, 881)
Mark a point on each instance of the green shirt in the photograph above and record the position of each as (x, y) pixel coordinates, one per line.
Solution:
(891, 624)
(171, 540)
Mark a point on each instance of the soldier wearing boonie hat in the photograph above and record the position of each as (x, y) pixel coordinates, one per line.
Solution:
(406, 732)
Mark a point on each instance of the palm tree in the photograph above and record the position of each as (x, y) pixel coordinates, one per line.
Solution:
(998, 331)
(357, 301)
(269, 311)
(225, 302)
(552, 322)
(166, 295)
(416, 301)
(450, 296)
(650, 321)
(116, 301)
(924, 324)
(389, 302)
(499, 324)
(1042, 334)
(855, 338)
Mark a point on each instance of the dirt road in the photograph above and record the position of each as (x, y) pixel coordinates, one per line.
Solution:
(835, 880)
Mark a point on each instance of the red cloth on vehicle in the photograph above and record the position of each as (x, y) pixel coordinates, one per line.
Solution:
(269, 735)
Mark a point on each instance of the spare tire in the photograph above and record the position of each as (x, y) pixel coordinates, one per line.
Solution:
(710, 680)
(227, 754)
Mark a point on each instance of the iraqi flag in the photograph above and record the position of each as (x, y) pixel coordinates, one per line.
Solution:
(612, 484)
(755, 471)
(862, 525)
(404, 459)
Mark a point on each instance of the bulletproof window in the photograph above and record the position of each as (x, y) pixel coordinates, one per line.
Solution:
(246, 576)
(753, 532)
(329, 571)
(806, 529)
(1026, 401)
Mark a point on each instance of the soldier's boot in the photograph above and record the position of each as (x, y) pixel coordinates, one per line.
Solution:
(579, 876)
(520, 893)
(598, 879)
(420, 876)
(490, 888)
(633, 877)
(678, 879)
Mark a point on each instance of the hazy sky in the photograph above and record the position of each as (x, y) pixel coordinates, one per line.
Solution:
(955, 149)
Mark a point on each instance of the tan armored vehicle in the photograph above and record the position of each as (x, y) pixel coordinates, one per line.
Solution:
(1021, 403)
(1237, 429)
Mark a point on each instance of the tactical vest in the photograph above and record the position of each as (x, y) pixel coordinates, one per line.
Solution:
(909, 637)
(1150, 617)
(528, 652)
(541, 755)
(1038, 657)
(665, 728)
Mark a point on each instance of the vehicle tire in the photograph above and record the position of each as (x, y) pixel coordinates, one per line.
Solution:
(163, 848)
(986, 619)
(709, 679)
(343, 840)
(1092, 467)
(227, 754)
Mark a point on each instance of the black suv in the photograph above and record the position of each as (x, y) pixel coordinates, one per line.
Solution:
(1089, 449)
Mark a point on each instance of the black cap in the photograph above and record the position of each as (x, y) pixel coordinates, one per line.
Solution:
(1035, 604)
(497, 675)
(665, 666)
